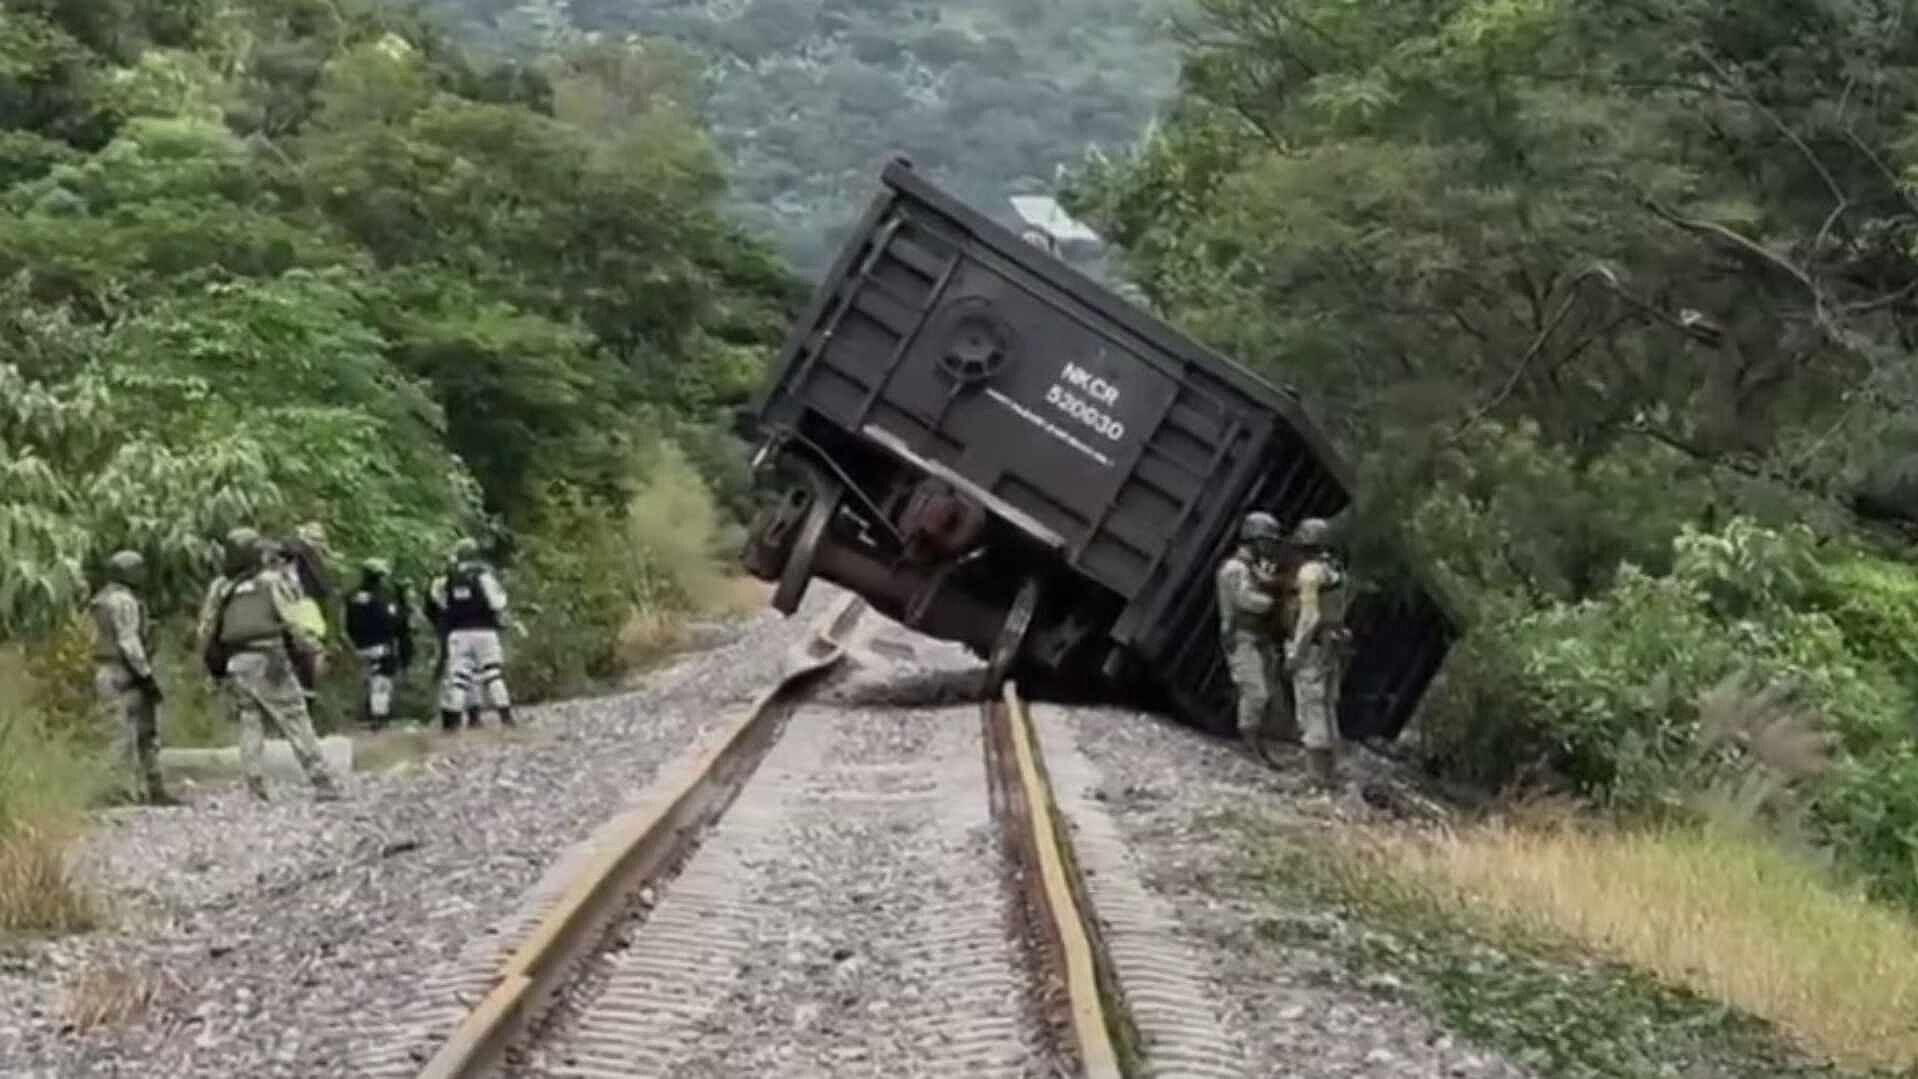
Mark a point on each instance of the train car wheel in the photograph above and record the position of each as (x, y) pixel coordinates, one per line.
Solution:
(798, 571)
(1012, 637)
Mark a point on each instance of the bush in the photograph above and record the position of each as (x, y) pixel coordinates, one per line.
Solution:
(1867, 811)
(600, 592)
(1875, 603)
(1663, 693)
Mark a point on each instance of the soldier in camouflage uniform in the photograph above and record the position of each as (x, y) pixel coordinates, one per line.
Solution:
(303, 561)
(1316, 651)
(1245, 608)
(251, 612)
(123, 675)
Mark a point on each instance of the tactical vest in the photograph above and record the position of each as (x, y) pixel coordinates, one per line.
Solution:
(466, 606)
(372, 617)
(1229, 613)
(250, 614)
(1335, 598)
(106, 639)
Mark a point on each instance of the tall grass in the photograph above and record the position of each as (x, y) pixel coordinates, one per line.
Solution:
(51, 770)
(1712, 909)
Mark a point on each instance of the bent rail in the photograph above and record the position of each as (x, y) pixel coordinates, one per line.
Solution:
(635, 846)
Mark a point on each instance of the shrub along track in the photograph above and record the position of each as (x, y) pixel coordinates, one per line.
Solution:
(864, 889)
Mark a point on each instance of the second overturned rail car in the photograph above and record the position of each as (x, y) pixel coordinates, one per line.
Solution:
(994, 449)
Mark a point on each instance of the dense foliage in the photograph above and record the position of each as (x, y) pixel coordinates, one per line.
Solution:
(271, 260)
(1615, 306)
(808, 97)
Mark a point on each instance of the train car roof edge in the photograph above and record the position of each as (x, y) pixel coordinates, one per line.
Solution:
(822, 291)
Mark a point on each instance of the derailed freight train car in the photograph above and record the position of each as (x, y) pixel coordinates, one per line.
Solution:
(994, 449)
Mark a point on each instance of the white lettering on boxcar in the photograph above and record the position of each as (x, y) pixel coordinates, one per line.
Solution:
(1048, 427)
(1085, 397)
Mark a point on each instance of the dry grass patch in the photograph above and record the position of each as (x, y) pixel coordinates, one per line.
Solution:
(1728, 917)
(646, 636)
(105, 996)
(39, 891)
(742, 595)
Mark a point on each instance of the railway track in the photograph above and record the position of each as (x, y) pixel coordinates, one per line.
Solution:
(827, 889)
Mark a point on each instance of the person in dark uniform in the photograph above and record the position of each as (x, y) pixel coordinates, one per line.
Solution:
(434, 605)
(379, 623)
(474, 606)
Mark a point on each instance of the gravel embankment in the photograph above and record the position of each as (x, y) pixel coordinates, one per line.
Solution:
(267, 941)
(1294, 1012)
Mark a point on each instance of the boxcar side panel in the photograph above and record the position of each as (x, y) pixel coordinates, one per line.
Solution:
(937, 346)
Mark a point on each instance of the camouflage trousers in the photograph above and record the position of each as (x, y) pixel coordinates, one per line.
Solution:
(1315, 686)
(261, 685)
(475, 671)
(1253, 662)
(136, 730)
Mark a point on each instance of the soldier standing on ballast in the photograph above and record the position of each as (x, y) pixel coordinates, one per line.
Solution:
(303, 560)
(379, 625)
(1316, 652)
(250, 620)
(474, 612)
(123, 676)
(1245, 609)
(435, 609)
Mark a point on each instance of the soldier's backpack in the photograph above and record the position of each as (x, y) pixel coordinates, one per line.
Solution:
(216, 655)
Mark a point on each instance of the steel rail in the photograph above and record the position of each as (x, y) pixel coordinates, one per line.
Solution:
(633, 848)
(1098, 1020)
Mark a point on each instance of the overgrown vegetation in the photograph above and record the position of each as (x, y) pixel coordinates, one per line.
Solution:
(1613, 305)
(266, 261)
(1722, 955)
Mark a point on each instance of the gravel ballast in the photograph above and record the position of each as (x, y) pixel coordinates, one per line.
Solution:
(272, 940)
(847, 916)
(292, 939)
(1291, 1011)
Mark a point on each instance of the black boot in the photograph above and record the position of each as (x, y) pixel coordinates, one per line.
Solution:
(1325, 771)
(157, 794)
(473, 718)
(449, 720)
(1255, 747)
(506, 717)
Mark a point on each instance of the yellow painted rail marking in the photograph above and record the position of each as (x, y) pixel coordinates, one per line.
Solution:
(1096, 1053)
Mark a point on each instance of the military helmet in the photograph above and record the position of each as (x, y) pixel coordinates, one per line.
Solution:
(466, 549)
(377, 567)
(1259, 525)
(243, 549)
(312, 535)
(1312, 532)
(125, 567)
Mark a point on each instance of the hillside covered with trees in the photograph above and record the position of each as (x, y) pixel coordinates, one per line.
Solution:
(1616, 306)
(268, 261)
(807, 97)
